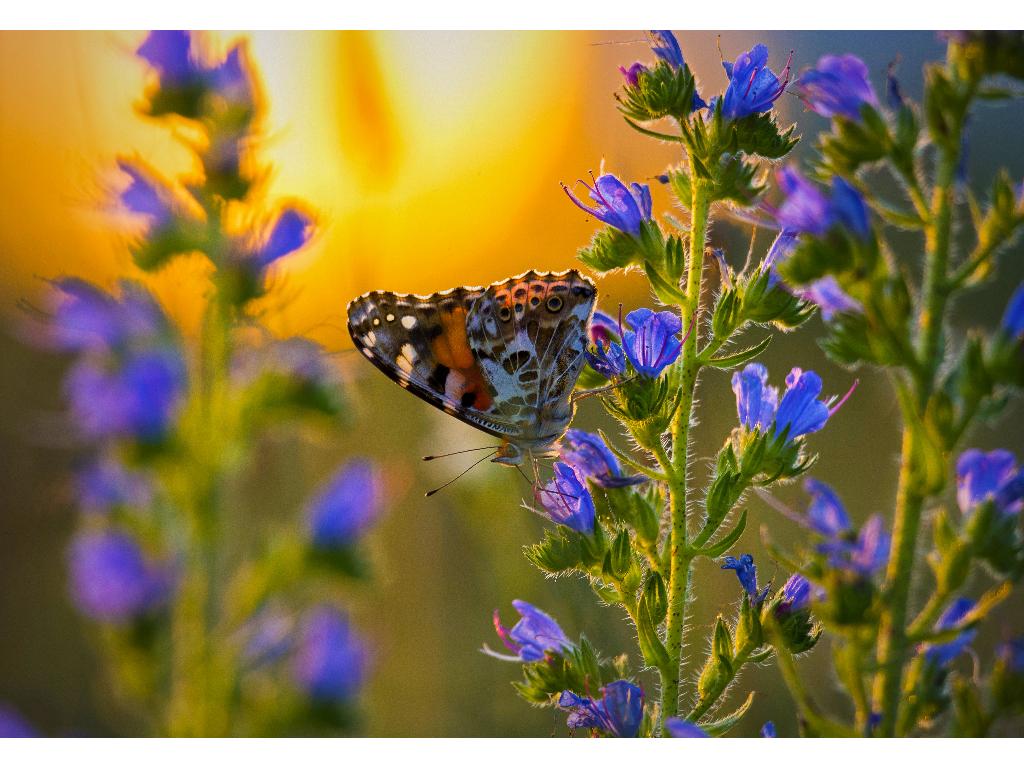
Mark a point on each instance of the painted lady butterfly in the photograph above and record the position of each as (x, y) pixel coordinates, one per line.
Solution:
(504, 358)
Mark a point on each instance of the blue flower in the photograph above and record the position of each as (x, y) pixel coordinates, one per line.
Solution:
(534, 636)
(753, 87)
(1013, 318)
(768, 730)
(994, 476)
(942, 654)
(756, 401)
(839, 86)
(652, 344)
(608, 360)
(86, 318)
(619, 712)
(604, 328)
(589, 455)
(292, 230)
(106, 484)
(825, 292)
(632, 73)
(666, 47)
(231, 80)
(330, 661)
(746, 572)
(683, 729)
(826, 514)
(796, 595)
(807, 209)
(347, 505)
(865, 556)
(138, 398)
(619, 206)
(169, 53)
(567, 500)
(112, 580)
(13, 725)
(145, 195)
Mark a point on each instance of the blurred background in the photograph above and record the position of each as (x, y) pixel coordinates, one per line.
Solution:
(434, 160)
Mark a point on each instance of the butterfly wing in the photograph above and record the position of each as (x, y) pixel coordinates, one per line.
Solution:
(420, 342)
(528, 335)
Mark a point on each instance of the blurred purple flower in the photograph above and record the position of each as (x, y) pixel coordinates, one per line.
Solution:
(992, 476)
(169, 53)
(567, 500)
(13, 725)
(864, 556)
(292, 230)
(619, 206)
(838, 86)
(145, 195)
(825, 514)
(653, 344)
(806, 209)
(589, 455)
(683, 729)
(619, 712)
(348, 504)
(942, 654)
(825, 292)
(768, 730)
(753, 87)
(106, 483)
(330, 661)
(269, 636)
(112, 580)
(534, 636)
(604, 328)
(1011, 653)
(1013, 318)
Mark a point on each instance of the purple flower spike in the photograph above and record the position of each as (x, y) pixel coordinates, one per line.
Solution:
(653, 344)
(619, 206)
(349, 504)
(942, 654)
(838, 86)
(619, 712)
(753, 87)
(678, 728)
(994, 476)
(292, 230)
(589, 455)
(568, 501)
(1013, 318)
(800, 412)
(331, 661)
(534, 636)
(169, 53)
(111, 579)
(826, 514)
(756, 401)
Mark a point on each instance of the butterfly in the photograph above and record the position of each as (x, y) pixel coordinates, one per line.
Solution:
(504, 359)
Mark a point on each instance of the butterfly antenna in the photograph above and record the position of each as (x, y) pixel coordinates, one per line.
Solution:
(456, 453)
(428, 494)
(577, 396)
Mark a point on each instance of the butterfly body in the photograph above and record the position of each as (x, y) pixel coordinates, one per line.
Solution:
(504, 358)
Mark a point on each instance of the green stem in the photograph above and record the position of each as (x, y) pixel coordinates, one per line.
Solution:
(680, 560)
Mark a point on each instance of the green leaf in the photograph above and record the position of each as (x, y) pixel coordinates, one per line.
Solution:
(724, 724)
(667, 293)
(726, 362)
(725, 543)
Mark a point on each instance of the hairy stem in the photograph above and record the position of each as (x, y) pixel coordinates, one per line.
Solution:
(680, 559)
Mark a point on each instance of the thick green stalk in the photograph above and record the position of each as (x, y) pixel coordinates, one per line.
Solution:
(892, 641)
(680, 559)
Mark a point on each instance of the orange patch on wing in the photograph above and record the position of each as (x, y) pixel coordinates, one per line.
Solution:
(451, 349)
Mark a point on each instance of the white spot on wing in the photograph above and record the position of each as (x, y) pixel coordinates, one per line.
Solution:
(409, 352)
(408, 322)
(390, 318)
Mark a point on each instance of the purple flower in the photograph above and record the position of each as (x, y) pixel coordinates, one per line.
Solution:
(590, 456)
(1013, 318)
(619, 712)
(292, 230)
(653, 343)
(619, 206)
(567, 500)
(756, 401)
(112, 580)
(826, 514)
(609, 361)
(683, 729)
(347, 505)
(1012, 654)
(169, 53)
(330, 661)
(796, 595)
(139, 398)
(825, 292)
(270, 636)
(145, 196)
(753, 87)
(106, 484)
(666, 47)
(839, 86)
(768, 730)
(532, 638)
(746, 572)
(806, 209)
(13, 725)
(604, 328)
(632, 73)
(863, 557)
(86, 318)
(230, 79)
(942, 654)
(994, 476)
